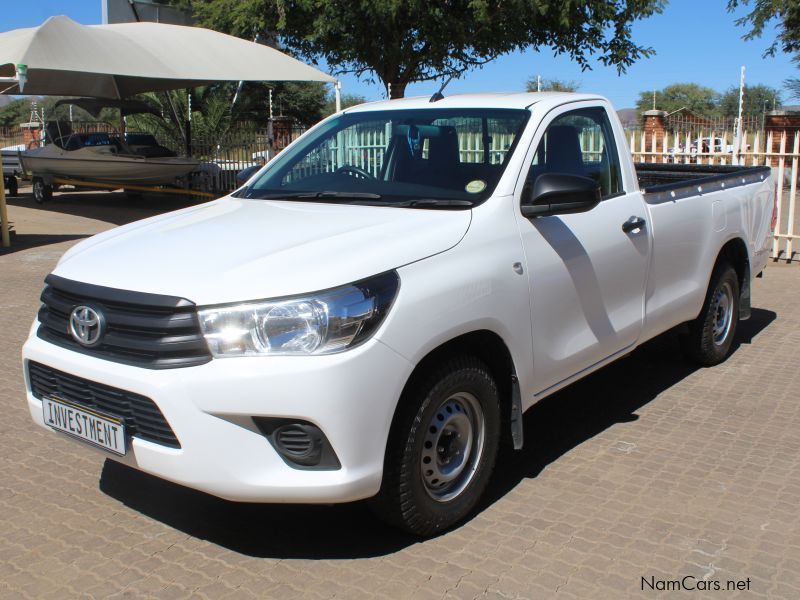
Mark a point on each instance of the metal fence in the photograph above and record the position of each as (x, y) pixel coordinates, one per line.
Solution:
(781, 151)
(10, 136)
(366, 149)
(689, 123)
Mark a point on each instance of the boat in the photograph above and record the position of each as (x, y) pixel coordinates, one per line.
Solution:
(103, 157)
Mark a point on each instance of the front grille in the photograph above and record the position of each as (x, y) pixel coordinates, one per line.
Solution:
(141, 416)
(146, 330)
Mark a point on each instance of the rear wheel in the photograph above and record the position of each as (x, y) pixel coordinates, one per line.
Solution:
(442, 448)
(710, 336)
(42, 192)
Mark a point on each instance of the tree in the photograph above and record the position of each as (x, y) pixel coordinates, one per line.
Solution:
(405, 41)
(787, 12)
(19, 111)
(757, 100)
(765, 11)
(15, 112)
(700, 100)
(793, 87)
(303, 101)
(553, 85)
(347, 101)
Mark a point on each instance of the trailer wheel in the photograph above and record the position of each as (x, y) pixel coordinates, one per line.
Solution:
(442, 448)
(710, 336)
(42, 192)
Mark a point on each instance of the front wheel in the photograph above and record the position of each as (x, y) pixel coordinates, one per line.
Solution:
(41, 191)
(442, 448)
(710, 336)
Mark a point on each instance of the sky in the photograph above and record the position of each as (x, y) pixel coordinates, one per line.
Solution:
(695, 41)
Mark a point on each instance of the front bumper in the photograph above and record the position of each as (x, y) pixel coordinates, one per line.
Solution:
(351, 396)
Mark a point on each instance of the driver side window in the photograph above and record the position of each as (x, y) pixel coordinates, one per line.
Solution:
(580, 142)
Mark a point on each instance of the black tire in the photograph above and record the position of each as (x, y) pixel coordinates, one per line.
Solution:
(11, 186)
(42, 192)
(411, 497)
(710, 337)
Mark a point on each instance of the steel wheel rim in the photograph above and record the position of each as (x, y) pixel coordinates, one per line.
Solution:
(452, 446)
(722, 310)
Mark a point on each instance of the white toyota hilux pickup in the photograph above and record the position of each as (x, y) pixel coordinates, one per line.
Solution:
(373, 312)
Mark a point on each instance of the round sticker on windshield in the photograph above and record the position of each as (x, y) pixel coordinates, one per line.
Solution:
(476, 186)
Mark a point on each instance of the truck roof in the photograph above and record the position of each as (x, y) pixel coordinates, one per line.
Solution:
(485, 100)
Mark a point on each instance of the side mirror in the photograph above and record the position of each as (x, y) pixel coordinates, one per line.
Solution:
(560, 194)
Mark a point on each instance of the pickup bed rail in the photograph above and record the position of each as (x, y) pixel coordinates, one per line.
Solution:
(665, 182)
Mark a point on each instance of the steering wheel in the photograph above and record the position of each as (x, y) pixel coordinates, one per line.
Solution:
(355, 172)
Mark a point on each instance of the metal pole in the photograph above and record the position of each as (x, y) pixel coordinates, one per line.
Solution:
(270, 131)
(6, 237)
(177, 118)
(189, 122)
(738, 147)
(270, 104)
(337, 90)
(538, 83)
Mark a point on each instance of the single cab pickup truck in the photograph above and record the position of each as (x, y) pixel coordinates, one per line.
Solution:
(375, 309)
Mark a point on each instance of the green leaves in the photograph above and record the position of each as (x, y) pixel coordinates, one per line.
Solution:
(786, 12)
(698, 99)
(403, 41)
(705, 102)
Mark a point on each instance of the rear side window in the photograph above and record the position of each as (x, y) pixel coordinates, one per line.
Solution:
(580, 142)
(480, 140)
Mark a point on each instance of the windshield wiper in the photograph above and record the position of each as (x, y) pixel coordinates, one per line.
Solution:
(366, 198)
(314, 195)
(423, 202)
(353, 195)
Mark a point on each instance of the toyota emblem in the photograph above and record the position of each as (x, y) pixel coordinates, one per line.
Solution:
(86, 325)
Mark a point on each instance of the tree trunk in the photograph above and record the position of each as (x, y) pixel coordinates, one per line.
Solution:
(398, 90)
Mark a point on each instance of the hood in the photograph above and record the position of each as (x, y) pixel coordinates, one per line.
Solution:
(232, 250)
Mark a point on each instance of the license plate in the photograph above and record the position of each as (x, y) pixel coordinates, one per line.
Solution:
(100, 430)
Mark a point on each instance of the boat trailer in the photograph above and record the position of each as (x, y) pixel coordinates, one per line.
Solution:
(43, 187)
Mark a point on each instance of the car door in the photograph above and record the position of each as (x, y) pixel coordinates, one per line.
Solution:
(586, 274)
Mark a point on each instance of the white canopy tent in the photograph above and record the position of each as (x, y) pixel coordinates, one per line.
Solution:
(64, 58)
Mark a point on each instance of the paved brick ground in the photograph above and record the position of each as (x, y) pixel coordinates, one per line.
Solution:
(650, 468)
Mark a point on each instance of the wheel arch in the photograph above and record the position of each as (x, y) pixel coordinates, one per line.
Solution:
(490, 348)
(734, 251)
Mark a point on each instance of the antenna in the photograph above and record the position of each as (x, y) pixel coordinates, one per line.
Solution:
(438, 95)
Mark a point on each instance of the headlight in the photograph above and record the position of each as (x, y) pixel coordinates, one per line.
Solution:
(320, 323)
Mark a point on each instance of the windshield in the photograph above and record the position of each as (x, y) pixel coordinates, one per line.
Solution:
(447, 157)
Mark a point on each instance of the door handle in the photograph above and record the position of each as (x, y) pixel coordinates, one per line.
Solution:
(633, 223)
